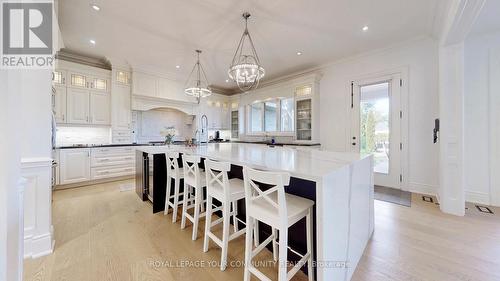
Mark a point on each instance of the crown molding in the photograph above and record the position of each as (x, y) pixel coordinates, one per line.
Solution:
(76, 57)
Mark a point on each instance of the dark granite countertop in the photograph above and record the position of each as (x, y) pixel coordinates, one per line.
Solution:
(279, 143)
(102, 145)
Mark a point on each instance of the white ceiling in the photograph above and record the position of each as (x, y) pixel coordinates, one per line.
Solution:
(158, 35)
(488, 19)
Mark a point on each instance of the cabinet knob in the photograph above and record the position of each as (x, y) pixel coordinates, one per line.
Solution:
(353, 143)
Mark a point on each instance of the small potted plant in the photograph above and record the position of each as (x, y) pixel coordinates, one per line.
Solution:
(169, 134)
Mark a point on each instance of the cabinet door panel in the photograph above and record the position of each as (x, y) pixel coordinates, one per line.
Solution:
(59, 104)
(101, 84)
(78, 80)
(78, 106)
(99, 109)
(74, 165)
(121, 107)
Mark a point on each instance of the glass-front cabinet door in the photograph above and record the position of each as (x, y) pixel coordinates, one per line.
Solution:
(78, 80)
(59, 77)
(234, 124)
(304, 119)
(100, 84)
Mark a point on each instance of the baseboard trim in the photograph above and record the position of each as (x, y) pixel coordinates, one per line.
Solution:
(423, 188)
(38, 246)
(477, 197)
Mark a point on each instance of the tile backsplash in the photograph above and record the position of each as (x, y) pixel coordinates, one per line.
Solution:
(82, 135)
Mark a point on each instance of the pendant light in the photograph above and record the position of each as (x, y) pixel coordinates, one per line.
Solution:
(245, 68)
(197, 83)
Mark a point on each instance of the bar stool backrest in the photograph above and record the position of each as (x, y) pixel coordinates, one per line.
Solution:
(217, 178)
(172, 164)
(191, 169)
(273, 199)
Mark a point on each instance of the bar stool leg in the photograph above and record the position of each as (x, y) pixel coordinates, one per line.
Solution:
(176, 199)
(283, 253)
(235, 212)
(225, 233)
(275, 245)
(208, 223)
(197, 205)
(167, 195)
(248, 247)
(256, 235)
(184, 205)
(309, 234)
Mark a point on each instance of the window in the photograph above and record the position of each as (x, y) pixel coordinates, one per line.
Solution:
(256, 111)
(287, 115)
(276, 115)
(270, 116)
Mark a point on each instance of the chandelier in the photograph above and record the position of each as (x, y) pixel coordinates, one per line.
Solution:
(197, 83)
(246, 69)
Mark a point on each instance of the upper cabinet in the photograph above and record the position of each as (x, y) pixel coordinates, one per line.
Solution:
(59, 103)
(121, 101)
(307, 112)
(81, 94)
(59, 77)
(155, 86)
(78, 80)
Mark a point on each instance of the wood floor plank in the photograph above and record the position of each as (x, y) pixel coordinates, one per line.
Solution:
(104, 234)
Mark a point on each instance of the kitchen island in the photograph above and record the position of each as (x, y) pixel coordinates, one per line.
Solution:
(341, 184)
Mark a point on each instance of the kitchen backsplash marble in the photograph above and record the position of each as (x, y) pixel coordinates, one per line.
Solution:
(82, 135)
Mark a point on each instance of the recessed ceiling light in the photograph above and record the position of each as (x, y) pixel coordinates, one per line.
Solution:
(95, 7)
(227, 80)
(365, 28)
(92, 41)
(299, 53)
(177, 66)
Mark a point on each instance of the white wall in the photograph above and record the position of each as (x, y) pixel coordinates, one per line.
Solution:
(420, 57)
(477, 116)
(36, 113)
(149, 124)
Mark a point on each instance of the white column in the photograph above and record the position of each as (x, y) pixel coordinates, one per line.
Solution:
(451, 111)
(494, 100)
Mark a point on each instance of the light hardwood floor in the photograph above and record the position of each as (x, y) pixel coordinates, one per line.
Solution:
(104, 234)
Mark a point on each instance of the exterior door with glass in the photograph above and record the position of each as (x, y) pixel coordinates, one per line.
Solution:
(376, 126)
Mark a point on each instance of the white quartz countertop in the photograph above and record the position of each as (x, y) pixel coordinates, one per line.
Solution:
(311, 164)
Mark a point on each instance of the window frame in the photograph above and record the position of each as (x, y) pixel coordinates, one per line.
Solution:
(278, 131)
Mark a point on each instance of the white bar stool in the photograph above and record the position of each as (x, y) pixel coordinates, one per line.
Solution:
(173, 172)
(228, 192)
(193, 179)
(280, 211)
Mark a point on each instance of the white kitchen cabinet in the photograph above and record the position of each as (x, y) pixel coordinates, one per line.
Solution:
(99, 109)
(121, 107)
(144, 84)
(59, 77)
(78, 106)
(59, 103)
(78, 80)
(100, 84)
(74, 165)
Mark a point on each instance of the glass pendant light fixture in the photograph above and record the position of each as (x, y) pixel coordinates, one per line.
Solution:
(197, 83)
(246, 69)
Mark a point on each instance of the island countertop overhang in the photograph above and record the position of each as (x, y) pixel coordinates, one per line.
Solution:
(310, 164)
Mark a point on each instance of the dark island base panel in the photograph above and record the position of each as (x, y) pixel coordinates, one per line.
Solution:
(300, 187)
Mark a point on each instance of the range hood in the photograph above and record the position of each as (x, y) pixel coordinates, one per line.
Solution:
(143, 103)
